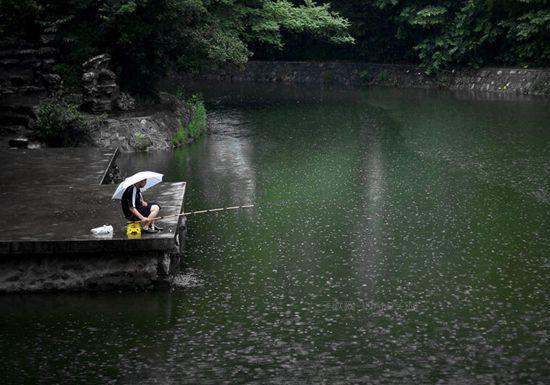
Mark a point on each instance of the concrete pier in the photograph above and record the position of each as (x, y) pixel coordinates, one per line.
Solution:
(54, 166)
(52, 199)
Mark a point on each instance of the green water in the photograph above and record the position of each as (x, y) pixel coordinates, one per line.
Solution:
(398, 236)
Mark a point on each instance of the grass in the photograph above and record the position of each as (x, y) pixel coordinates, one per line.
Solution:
(196, 126)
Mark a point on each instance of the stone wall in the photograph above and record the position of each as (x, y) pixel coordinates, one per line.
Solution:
(149, 130)
(500, 80)
(76, 272)
(27, 74)
(27, 69)
(135, 270)
(86, 272)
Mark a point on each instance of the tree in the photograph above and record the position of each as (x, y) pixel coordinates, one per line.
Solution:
(146, 37)
(472, 32)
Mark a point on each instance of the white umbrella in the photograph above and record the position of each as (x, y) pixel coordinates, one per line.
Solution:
(153, 178)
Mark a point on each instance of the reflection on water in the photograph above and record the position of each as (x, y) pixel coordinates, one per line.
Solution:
(397, 237)
(371, 204)
(227, 173)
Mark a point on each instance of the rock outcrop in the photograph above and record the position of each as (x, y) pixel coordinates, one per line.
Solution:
(99, 86)
(101, 92)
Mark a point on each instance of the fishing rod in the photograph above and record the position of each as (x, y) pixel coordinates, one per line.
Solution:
(283, 202)
(206, 211)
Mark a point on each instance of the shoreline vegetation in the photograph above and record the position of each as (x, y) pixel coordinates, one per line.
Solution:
(60, 122)
(196, 127)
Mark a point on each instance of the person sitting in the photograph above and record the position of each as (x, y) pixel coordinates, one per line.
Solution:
(135, 208)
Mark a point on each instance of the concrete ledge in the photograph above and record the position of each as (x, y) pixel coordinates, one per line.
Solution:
(58, 219)
(110, 169)
(93, 271)
(26, 247)
(53, 166)
(53, 199)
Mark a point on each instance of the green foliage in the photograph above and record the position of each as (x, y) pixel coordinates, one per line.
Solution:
(530, 37)
(382, 76)
(426, 16)
(276, 16)
(70, 75)
(141, 142)
(473, 32)
(58, 121)
(197, 124)
(455, 36)
(365, 75)
(146, 38)
(181, 137)
(19, 16)
(437, 34)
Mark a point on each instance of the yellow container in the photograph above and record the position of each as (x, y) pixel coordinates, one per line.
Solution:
(133, 230)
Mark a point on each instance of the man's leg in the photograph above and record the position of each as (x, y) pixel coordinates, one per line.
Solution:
(154, 212)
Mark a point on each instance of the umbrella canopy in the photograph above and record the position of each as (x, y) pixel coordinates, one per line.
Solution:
(153, 178)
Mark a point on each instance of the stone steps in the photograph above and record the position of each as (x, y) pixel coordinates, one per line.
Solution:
(26, 77)
(11, 43)
(13, 130)
(24, 90)
(27, 70)
(21, 54)
(16, 77)
(18, 115)
(20, 108)
(44, 65)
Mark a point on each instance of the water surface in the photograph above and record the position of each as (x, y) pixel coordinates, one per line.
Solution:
(399, 236)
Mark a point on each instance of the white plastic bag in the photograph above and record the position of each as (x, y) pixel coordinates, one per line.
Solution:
(104, 231)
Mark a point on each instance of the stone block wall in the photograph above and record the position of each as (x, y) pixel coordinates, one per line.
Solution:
(27, 74)
(503, 80)
(77, 272)
(92, 271)
(27, 69)
(153, 130)
(497, 80)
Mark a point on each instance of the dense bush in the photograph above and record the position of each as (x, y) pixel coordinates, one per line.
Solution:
(59, 122)
(475, 32)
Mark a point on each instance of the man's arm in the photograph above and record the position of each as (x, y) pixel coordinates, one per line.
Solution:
(138, 214)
